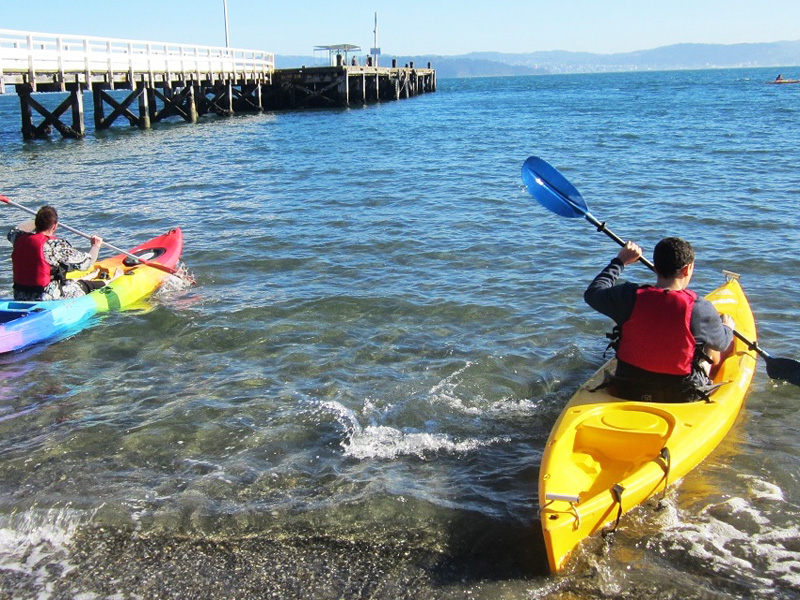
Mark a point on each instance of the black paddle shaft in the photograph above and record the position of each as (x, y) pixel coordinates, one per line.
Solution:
(601, 226)
(786, 369)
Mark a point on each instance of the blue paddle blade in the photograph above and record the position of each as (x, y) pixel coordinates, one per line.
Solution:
(551, 189)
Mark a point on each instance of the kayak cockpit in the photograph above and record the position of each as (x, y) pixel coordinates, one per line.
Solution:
(18, 310)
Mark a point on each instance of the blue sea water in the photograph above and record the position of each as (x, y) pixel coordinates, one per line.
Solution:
(353, 400)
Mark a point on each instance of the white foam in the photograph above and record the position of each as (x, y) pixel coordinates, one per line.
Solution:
(740, 506)
(35, 541)
(179, 281)
(379, 439)
(446, 392)
(736, 536)
(382, 441)
(387, 443)
(763, 490)
(346, 417)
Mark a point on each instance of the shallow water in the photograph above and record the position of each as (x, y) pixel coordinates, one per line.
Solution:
(353, 400)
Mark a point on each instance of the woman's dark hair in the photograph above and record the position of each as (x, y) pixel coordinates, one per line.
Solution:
(671, 255)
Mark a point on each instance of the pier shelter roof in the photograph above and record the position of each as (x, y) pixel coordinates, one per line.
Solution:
(338, 49)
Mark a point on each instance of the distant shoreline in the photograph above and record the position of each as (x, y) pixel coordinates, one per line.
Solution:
(677, 57)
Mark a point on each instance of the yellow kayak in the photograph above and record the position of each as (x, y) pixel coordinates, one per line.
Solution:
(605, 455)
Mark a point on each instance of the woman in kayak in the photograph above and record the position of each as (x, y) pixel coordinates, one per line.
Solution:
(668, 337)
(40, 261)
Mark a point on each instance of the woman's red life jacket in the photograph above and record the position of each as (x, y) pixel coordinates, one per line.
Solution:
(657, 337)
(28, 263)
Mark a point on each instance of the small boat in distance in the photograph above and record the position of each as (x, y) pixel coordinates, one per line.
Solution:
(780, 79)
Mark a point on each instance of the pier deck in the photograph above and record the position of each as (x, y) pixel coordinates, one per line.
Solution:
(165, 80)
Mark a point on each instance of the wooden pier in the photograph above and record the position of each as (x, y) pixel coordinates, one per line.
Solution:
(325, 87)
(147, 82)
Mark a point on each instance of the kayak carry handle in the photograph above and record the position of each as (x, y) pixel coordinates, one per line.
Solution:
(563, 497)
(730, 275)
(573, 500)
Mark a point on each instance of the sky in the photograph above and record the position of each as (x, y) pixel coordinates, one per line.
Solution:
(416, 27)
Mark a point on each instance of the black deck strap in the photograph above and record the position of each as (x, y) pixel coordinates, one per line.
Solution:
(664, 455)
(706, 391)
(613, 340)
(616, 491)
(702, 356)
(608, 379)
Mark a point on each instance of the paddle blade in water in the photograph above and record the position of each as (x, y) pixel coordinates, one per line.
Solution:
(551, 189)
(784, 369)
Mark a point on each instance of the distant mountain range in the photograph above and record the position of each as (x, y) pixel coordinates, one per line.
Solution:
(665, 58)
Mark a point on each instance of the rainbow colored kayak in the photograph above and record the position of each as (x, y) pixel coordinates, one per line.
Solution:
(605, 455)
(25, 323)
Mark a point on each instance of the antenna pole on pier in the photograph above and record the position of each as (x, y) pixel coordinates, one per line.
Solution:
(375, 50)
(225, 8)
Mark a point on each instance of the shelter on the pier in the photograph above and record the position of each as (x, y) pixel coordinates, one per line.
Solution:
(338, 53)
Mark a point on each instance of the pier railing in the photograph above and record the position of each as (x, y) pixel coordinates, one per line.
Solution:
(166, 80)
(42, 59)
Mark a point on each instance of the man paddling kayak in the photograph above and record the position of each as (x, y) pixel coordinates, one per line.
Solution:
(668, 337)
(40, 260)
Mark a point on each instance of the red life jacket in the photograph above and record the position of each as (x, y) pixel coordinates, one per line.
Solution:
(657, 337)
(29, 266)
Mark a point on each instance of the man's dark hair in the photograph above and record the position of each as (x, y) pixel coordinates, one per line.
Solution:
(46, 217)
(671, 255)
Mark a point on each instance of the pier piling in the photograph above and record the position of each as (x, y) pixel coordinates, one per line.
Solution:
(172, 80)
